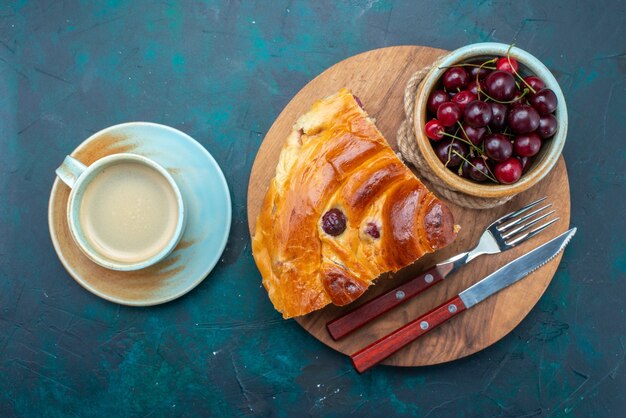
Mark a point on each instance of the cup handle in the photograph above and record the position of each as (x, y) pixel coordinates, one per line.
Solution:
(70, 170)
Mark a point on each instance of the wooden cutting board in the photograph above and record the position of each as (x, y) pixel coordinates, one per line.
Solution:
(378, 78)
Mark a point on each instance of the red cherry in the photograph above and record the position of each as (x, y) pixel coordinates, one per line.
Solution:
(500, 85)
(547, 126)
(518, 98)
(462, 98)
(524, 161)
(544, 101)
(476, 169)
(477, 114)
(436, 98)
(535, 82)
(507, 64)
(508, 171)
(499, 113)
(454, 78)
(434, 130)
(448, 113)
(372, 230)
(498, 147)
(474, 135)
(523, 119)
(334, 222)
(451, 129)
(448, 152)
(481, 72)
(527, 145)
(472, 87)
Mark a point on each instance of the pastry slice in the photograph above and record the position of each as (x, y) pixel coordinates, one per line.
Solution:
(341, 210)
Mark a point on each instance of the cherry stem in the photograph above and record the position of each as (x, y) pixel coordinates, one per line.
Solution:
(468, 65)
(449, 153)
(466, 136)
(490, 172)
(505, 102)
(462, 140)
(478, 89)
(467, 161)
(508, 57)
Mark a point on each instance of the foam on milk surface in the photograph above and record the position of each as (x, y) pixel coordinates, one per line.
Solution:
(129, 212)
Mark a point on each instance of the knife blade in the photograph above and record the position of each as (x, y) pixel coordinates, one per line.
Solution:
(493, 283)
(515, 270)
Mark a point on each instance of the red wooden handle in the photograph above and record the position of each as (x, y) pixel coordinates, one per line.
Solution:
(386, 346)
(353, 320)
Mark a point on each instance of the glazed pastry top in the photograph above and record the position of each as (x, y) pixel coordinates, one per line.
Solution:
(341, 210)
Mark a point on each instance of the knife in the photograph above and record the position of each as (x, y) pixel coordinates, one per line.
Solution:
(495, 282)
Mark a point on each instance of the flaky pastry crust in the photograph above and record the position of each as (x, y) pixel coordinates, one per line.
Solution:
(335, 158)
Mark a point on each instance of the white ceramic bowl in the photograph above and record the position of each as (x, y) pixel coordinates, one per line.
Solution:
(550, 151)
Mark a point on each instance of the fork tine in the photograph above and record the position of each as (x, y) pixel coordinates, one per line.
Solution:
(522, 219)
(526, 226)
(518, 212)
(532, 233)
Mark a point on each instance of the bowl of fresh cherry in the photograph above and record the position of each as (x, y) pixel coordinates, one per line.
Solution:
(490, 120)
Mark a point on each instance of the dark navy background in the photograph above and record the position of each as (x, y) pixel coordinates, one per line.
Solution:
(222, 71)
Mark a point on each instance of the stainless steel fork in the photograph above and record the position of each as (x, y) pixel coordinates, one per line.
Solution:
(503, 234)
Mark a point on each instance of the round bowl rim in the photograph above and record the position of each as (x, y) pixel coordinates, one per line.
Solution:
(539, 169)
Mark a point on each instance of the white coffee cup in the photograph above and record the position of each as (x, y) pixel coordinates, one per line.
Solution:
(125, 212)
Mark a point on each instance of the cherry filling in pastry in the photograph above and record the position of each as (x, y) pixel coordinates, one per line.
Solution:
(338, 186)
(334, 222)
(372, 230)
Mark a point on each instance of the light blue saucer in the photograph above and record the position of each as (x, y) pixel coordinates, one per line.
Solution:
(207, 202)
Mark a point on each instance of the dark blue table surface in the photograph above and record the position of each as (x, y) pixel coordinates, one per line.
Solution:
(222, 72)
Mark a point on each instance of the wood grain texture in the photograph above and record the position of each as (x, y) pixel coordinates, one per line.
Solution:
(378, 78)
